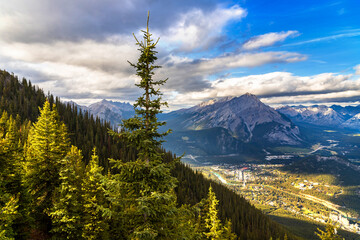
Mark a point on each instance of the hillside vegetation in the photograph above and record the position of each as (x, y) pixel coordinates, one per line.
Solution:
(35, 206)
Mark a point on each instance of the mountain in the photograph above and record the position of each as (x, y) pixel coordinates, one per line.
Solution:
(111, 111)
(245, 117)
(219, 126)
(230, 125)
(347, 112)
(353, 123)
(319, 115)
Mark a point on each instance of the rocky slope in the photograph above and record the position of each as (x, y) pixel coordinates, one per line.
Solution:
(353, 123)
(346, 111)
(318, 115)
(245, 117)
(335, 116)
(112, 111)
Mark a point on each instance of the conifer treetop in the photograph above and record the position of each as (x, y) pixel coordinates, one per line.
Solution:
(141, 131)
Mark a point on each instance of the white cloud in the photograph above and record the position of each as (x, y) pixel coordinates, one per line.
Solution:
(268, 39)
(46, 21)
(110, 55)
(198, 29)
(357, 69)
(328, 38)
(82, 69)
(95, 68)
(191, 75)
(338, 98)
(279, 87)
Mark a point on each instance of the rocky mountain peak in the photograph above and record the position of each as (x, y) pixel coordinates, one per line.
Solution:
(214, 101)
(242, 116)
(353, 123)
(250, 95)
(112, 111)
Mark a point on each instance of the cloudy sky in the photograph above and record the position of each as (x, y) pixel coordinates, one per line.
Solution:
(286, 52)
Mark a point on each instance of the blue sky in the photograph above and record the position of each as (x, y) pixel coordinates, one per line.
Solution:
(329, 31)
(285, 52)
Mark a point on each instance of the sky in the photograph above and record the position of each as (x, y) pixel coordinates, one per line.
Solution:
(285, 52)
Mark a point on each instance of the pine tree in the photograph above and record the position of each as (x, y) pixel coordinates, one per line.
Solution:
(8, 214)
(227, 232)
(95, 225)
(67, 211)
(212, 221)
(10, 154)
(329, 233)
(47, 145)
(147, 188)
(10, 177)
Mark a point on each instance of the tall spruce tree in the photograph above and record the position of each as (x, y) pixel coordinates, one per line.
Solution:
(95, 225)
(212, 221)
(67, 211)
(47, 145)
(146, 198)
(13, 195)
(9, 176)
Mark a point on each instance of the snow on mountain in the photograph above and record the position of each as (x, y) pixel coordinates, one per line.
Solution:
(353, 123)
(112, 111)
(246, 117)
(318, 115)
(346, 111)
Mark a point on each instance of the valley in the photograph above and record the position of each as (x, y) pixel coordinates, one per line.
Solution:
(314, 184)
(276, 191)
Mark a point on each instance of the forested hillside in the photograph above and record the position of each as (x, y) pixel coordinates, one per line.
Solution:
(22, 101)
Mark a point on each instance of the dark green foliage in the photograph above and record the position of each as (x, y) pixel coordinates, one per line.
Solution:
(85, 131)
(95, 225)
(47, 144)
(146, 198)
(8, 214)
(68, 209)
(141, 131)
(13, 217)
(8, 176)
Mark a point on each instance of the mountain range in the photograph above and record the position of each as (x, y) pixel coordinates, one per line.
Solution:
(229, 126)
(321, 115)
(245, 117)
(111, 111)
(234, 125)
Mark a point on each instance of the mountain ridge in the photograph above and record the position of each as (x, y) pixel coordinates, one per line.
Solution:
(240, 115)
(320, 115)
